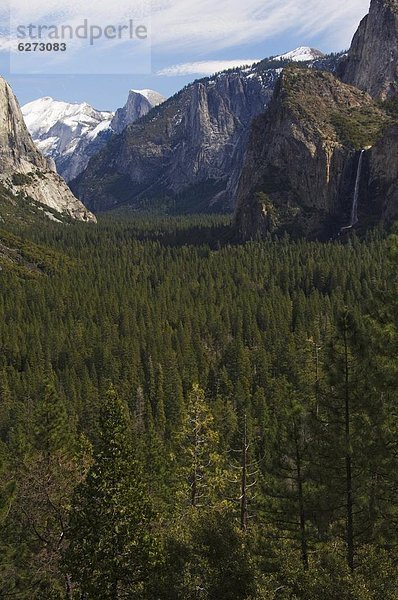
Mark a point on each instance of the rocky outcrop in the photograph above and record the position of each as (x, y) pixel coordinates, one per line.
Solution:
(300, 168)
(372, 61)
(24, 172)
(139, 103)
(184, 151)
(302, 163)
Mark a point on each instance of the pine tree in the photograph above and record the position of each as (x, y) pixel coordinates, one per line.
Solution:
(160, 417)
(199, 463)
(351, 418)
(48, 461)
(5, 405)
(112, 545)
(382, 381)
(288, 475)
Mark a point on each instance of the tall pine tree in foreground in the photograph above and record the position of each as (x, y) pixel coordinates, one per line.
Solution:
(46, 461)
(382, 369)
(112, 545)
(200, 463)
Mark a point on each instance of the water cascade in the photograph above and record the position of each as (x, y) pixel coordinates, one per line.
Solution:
(354, 209)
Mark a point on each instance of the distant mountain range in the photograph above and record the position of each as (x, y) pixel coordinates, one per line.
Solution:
(186, 155)
(71, 133)
(286, 143)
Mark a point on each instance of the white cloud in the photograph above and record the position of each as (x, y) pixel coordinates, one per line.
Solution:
(205, 67)
(7, 45)
(208, 25)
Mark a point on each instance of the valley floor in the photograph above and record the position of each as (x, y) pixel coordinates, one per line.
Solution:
(185, 418)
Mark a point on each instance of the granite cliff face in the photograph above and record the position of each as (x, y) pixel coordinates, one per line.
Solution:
(187, 154)
(372, 61)
(24, 172)
(185, 151)
(139, 103)
(301, 164)
(380, 188)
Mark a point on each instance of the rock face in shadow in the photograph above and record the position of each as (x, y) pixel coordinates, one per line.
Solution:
(372, 61)
(300, 168)
(24, 172)
(381, 185)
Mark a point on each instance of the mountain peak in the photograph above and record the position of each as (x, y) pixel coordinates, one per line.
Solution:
(151, 95)
(62, 129)
(139, 103)
(71, 132)
(301, 54)
(42, 114)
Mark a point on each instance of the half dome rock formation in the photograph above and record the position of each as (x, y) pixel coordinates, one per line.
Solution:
(372, 61)
(139, 103)
(24, 172)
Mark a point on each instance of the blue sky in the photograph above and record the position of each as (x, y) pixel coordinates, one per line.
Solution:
(181, 34)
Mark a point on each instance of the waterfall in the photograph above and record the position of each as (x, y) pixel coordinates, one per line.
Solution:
(354, 209)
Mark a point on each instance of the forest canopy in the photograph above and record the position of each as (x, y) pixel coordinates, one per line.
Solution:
(184, 418)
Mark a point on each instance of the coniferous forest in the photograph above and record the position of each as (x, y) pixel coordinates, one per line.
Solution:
(197, 420)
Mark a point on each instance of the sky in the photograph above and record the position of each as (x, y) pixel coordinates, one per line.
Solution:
(162, 44)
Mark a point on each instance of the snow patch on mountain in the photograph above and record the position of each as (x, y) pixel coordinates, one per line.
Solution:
(301, 54)
(64, 131)
(42, 114)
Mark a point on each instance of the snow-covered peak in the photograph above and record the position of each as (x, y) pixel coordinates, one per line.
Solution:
(302, 54)
(68, 133)
(154, 98)
(42, 114)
